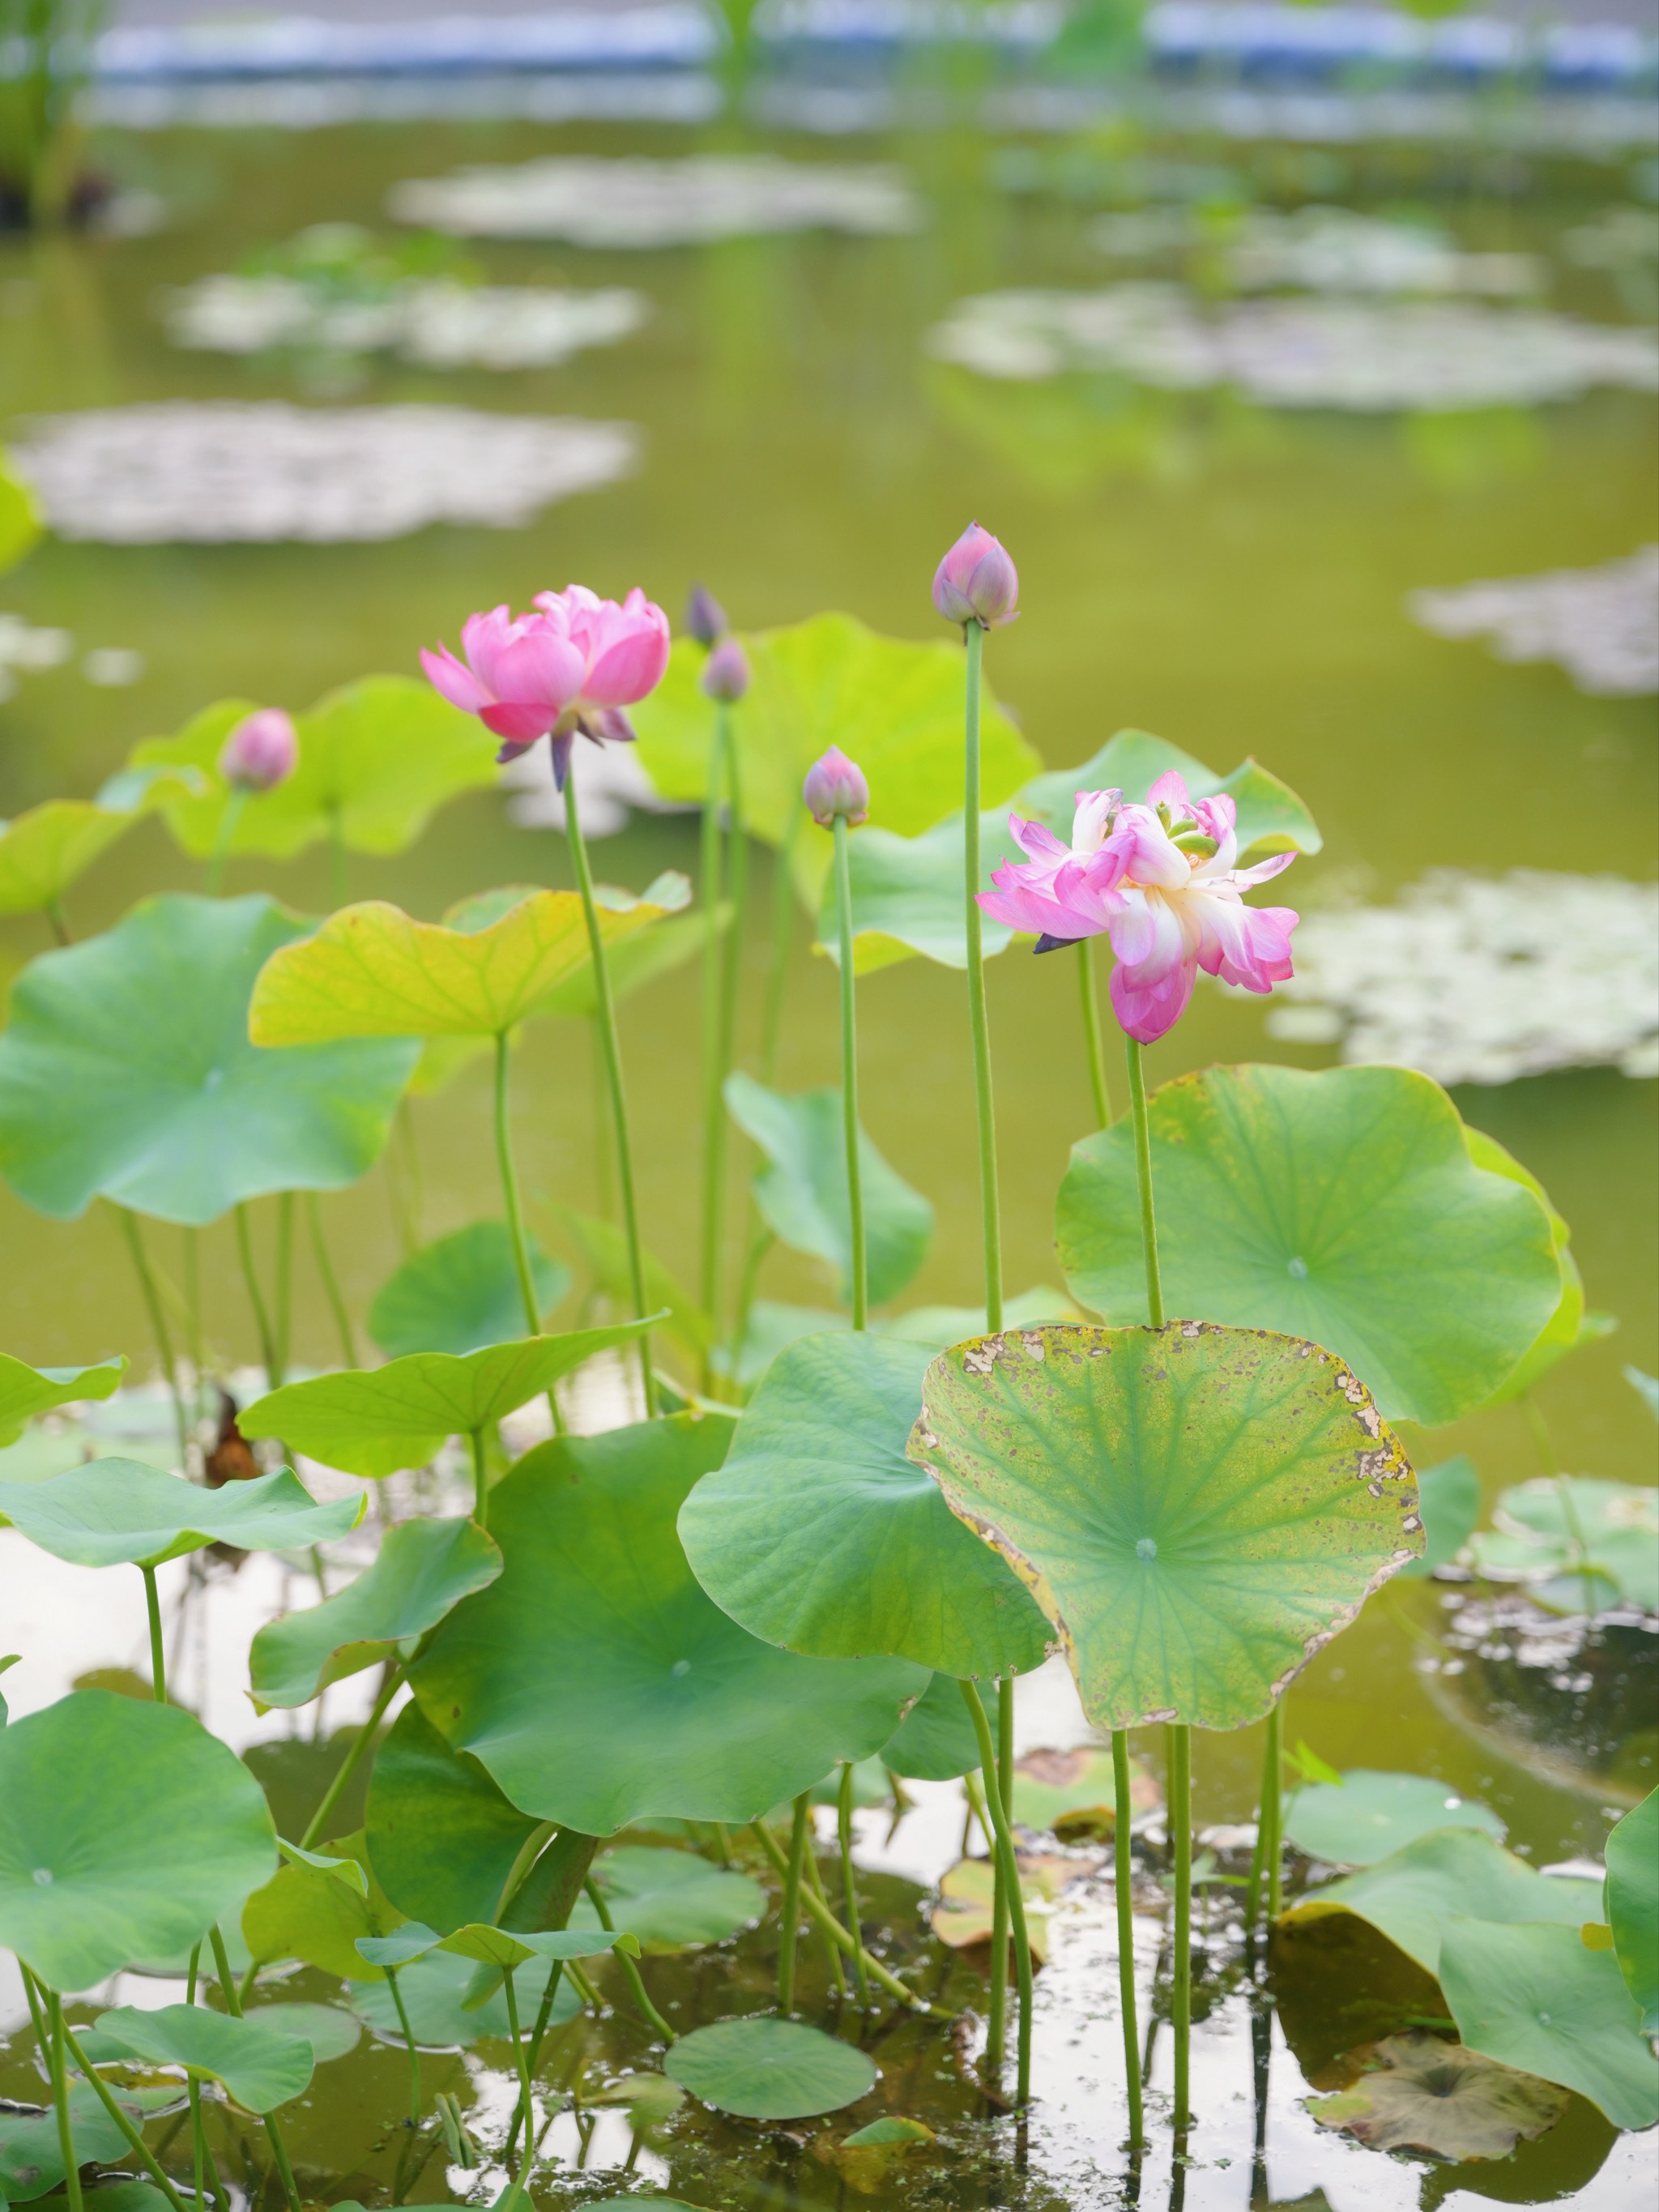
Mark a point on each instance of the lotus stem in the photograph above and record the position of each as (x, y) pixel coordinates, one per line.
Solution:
(515, 1230)
(631, 1973)
(605, 1016)
(1122, 1812)
(783, 923)
(235, 801)
(135, 2139)
(791, 1906)
(997, 2025)
(1094, 1043)
(234, 2006)
(713, 1028)
(1144, 1177)
(1180, 1739)
(268, 1351)
(330, 1280)
(284, 1277)
(197, 2129)
(338, 869)
(844, 1828)
(57, 921)
(158, 1657)
(158, 1321)
(60, 2099)
(1273, 1810)
(480, 1477)
(364, 1741)
(1011, 1875)
(979, 1020)
(835, 1933)
(410, 2045)
(524, 2104)
(858, 1267)
(814, 1880)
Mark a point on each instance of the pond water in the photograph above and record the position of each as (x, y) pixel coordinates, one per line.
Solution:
(1231, 574)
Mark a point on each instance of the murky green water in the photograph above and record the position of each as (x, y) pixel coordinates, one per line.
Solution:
(1231, 579)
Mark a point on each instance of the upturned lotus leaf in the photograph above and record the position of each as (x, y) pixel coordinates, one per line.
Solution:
(26, 1391)
(1570, 1325)
(1632, 1899)
(126, 1073)
(633, 962)
(1369, 1815)
(1417, 2092)
(818, 1533)
(43, 851)
(1197, 1510)
(126, 1831)
(666, 1707)
(261, 2067)
(315, 1909)
(119, 1512)
(770, 2070)
(422, 1570)
(460, 1293)
(1342, 1207)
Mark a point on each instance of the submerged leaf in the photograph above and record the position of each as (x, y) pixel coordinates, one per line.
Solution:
(770, 2070)
(1418, 2092)
(1367, 1815)
(461, 1292)
(119, 1512)
(26, 1391)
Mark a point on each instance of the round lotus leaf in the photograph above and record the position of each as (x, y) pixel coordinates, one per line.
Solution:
(261, 2067)
(666, 1706)
(1343, 1207)
(119, 1512)
(1369, 1814)
(460, 1293)
(1568, 1537)
(126, 1831)
(31, 2158)
(434, 1990)
(331, 2031)
(442, 1837)
(935, 1741)
(1198, 1511)
(770, 2070)
(672, 1899)
(819, 1533)
(26, 1391)
(126, 1073)
(1633, 1887)
(1417, 2092)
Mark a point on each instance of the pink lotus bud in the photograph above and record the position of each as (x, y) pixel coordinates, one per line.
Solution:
(976, 581)
(705, 618)
(262, 752)
(835, 786)
(725, 674)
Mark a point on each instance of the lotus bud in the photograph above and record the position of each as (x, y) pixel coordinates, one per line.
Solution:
(976, 581)
(834, 787)
(726, 673)
(262, 752)
(705, 618)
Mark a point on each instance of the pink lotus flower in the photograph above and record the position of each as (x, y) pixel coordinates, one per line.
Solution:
(262, 752)
(1161, 880)
(571, 666)
(976, 581)
(836, 785)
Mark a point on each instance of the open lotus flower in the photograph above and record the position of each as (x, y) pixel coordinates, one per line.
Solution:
(1161, 880)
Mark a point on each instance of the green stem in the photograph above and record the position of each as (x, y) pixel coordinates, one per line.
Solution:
(858, 1271)
(234, 2006)
(1010, 1875)
(647, 2011)
(1123, 1812)
(515, 1228)
(193, 1272)
(197, 2129)
(353, 1760)
(605, 1014)
(713, 1026)
(783, 925)
(412, 2047)
(135, 2140)
(158, 1663)
(996, 2029)
(480, 1479)
(525, 2103)
(338, 877)
(57, 921)
(1143, 1176)
(330, 1280)
(158, 1321)
(235, 800)
(60, 2099)
(284, 1277)
(814, 1882)
(839, 1940)
(737, 876)
(979, 1020)
(1180, 1839)
(1094, 1043)
(790, 1926)
(844, 1837)
(1273, 1810)
(268, 1351)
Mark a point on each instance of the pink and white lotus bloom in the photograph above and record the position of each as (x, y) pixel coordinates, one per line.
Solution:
(573, 665)
(1163, 882)
(262, 752)
(976, 581)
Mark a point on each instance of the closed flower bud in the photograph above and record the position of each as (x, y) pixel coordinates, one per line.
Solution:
(976, 581)
(835, 786)
(261, 752)
(705, 618)
(726, 673)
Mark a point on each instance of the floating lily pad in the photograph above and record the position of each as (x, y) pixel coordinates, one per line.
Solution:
(370, 971)
(869, 2154)
(802, 1191)
(1448, 1499)
(666, 1706)
(460, 1293)
(1633, 1896)
(422, 1570)
(819, 1534)
(261, 2068)
(1450, 1874)
(1370, 1814)
(1198, 1511)
(1569, 1537)
(30, 2160)
(377, 759)
(936, 1741)
(26, 1391)
(442, 1837)
(1341, 1206)
(331, 2032)
(770, 2070)
(372, 1422)
(1420, 2093)
(963, 1915)
(128, 1831)
(126, 1073)
(1073, 1792)
(119, 1512)
(434, 1988)
(1535, 1997)
(671, 1900)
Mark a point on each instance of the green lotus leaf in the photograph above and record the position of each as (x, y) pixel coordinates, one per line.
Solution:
(443, 1839)
(1198, 1511)
(1448, 1499)
(422, 1569)
(1447, 1875)
(1421, 2093)
(604, 1254)
(935, 1741)
(1569, 1325)
(633, 963)
(331, 2032)
(377, 759)
(402, 1947)
(45, 850)
(505, 1947)
(315, 1909)
(119, 1512)
(460, 1293)
(1567, 1537)
(1535, 1998)
(811, 684)
(374, 1421)
(370, 970)
(26, 1391)
(126, 1073)
(260, 2066)
(666, 1706)
(1632, 1893)
(112, 2196)
(1369, 1814)
(802, 1191)
(433, 1989)
(671, 1900)
(31, 2160)
(126, 1831)
(20, 518)
(820, 1534)
(770, 2070)
(1341, 1206)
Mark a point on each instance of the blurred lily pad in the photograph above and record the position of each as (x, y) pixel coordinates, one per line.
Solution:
(314, 1909)
(119, 1512)
(764, 2068)
(1578, 1544)
(26, 1391)
(1370, 1814)
(1073, 1794)
(671, 1900)
(331, 2032)
(963, 1914)
(1448, 1499)
(43, 851)
(1417, 2092)
(460, 1293)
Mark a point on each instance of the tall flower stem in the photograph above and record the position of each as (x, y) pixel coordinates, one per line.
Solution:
(783, 926)
(234, 2006)
(990, 1203)
(60, 2099)
(605, 1015)
(235, 801)
(330, 1280)
(353, 1759)
(513, 1205)
(284, 1313)
(158, 1321)
(715, 1031)
(790, 1921)
(1005, 1836)
(642, 2004)
(848, 1879)
(158, 1664)
(1180, 1839)
(811, 1897)
(1143, 1176)
(267, 1347)
(409, 2044)
(1093, 1042)
(858, 1270)
(1123, 1809)
(1273, 1810)
(996, 2025)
